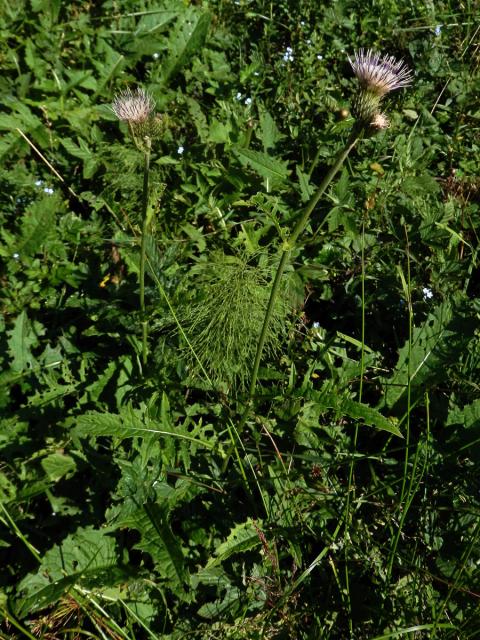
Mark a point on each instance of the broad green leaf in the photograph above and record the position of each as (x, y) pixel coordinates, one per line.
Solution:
(158, 540)
(468, 416)
(185, 40)
(38, 225)
(87, 557)
(269, 133)
(226, 606)
(58, 465)
(264, 164)
(22, 338)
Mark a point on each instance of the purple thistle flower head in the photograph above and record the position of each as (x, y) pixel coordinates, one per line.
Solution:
(379, 75)
(134, 107)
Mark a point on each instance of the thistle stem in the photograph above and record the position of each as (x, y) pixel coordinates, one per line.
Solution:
(286, 250)
(146, 174)
(289, 245)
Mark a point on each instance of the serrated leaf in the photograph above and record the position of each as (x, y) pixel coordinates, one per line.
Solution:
(263, 164)
(21, 339)
(242, 537)
(84, 153)
(269, 132)
(343, 407)
(58, 465)
(306, 189)
(130, 423)
(86, 557)
(468, 416)
(186, 39)
(158, 540)
(231, 600)
(437, 343)
(371, 417)
(38, 225)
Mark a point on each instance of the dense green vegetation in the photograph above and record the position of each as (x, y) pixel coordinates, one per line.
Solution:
(159, 493)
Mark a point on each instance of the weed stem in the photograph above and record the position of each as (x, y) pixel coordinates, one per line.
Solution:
(146, 173)
(291, 244)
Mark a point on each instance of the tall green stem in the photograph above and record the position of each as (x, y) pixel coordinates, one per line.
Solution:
(286, 250)
(290, 245)
(146, 174)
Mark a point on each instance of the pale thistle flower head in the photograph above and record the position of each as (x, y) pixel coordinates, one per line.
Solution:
(378, 74)
(134, 107)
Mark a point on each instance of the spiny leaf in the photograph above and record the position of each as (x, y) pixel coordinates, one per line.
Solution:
(438, 342)
(157, 539)
(131, 423)
(22, 338)
(186, 39)
(86, 557)
(241, 538)
(264, 164)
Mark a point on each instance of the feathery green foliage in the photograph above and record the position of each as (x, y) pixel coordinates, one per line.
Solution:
(224, 320)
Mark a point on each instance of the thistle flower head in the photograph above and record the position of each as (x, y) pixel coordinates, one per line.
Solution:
(378, 74)
(134, 107)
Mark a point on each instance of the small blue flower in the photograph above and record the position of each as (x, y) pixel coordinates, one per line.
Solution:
(288, 55)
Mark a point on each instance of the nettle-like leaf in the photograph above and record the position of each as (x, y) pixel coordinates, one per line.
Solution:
(185, 40)
(38, 225)
(439, 342)
(264, 164)
(22, 338)
(242, 537)
(343, 407)
(87, 558)
(158, 540)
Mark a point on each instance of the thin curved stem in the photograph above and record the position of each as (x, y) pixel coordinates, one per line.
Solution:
(291, 244)
(286, 250)
(146, 174)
